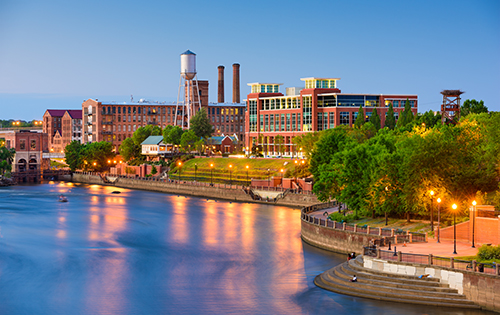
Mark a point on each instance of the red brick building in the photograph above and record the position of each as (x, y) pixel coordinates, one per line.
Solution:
(29, 146)
(318, 106)
(62, 126)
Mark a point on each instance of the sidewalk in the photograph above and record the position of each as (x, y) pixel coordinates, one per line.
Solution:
(443, 249)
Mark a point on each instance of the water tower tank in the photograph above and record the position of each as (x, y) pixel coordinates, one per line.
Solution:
(188, 64)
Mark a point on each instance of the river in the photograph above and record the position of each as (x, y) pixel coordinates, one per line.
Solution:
(139, 252)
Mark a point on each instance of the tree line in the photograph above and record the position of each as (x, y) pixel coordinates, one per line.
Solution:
(390, 171)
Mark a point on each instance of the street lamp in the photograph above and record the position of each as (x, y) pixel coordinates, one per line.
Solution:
(281, 171)
(473, 221)
(248, 184)
(195, 169)
(454, 206)
(439, 217)
(230, 174)
(386, 217)
(180, 170)
(211, 174)
(432, 211)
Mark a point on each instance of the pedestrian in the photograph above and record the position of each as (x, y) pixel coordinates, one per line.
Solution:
(354, 279)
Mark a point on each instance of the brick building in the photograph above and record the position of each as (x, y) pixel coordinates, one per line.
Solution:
(29, 146)
(62, 126)
(320, 105)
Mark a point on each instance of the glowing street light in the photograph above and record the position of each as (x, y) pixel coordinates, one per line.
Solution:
(439, 218)
(248, 183)
(230, 174)
(473, 221)
(180, 170)
(281, 171)
(454, 207)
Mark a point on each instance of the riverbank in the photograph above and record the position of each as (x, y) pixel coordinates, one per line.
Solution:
(6, 182)
(195, 189)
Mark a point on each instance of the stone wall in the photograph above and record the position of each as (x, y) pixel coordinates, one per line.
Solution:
(483, 289)
(334, 239)
(226, 193)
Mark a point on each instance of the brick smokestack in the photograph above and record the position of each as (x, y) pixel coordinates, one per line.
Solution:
(220, 92)
(236, 83)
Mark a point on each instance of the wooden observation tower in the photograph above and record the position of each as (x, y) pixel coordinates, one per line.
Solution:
(450, 109)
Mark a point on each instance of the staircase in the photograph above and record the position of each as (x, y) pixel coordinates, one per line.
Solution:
(383, 286)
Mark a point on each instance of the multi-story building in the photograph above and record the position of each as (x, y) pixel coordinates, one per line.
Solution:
(114, 122)
(62, 126)
(272, 119)
(29, 146)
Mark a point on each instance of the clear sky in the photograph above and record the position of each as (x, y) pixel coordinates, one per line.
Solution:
(55, 54)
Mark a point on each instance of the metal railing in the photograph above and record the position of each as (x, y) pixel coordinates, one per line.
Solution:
(431, 260)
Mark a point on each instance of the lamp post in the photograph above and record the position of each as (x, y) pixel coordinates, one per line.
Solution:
(386, 217)
(211, 174)
(248, 184)
(473, 221)
(432, 211)
(180, 170)
(230, 174)
(195, 169)
(281, 171)
(454, 206)
(439, 217)
(268, 179)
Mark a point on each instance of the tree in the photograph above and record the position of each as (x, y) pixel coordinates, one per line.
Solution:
(279, 141)
(472, 107)
(375, 119)
(429, 119)
(201, 125)
(97, 155)
(360, 120)
(129, 150)
(73, 155)
(390, 119)
(6, 158)
(305, 142)
(172, 135)
(406, 116)
(188, 140)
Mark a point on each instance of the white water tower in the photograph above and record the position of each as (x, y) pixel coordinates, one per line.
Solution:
(191, 95)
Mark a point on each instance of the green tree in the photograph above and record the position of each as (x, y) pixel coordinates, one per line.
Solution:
(305, 142)
(154, 171)
(188, 140)
(360, 120)
(390, 119)
(201, 125)
(97, 155)
(429, 119)
(6, 158)
(375, 119)
(129, 150)
(173, 135)
(472, 107)
(406, 116)
(73, 155)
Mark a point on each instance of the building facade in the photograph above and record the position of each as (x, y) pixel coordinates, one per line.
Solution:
(272, 119)
(62, 126)
(29, 146)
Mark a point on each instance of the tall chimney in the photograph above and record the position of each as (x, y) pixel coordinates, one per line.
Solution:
(236, 83)
(220, 92)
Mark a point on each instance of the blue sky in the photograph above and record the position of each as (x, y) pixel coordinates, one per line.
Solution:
(55, 54)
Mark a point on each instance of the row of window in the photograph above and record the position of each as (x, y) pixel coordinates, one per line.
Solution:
(329, 101)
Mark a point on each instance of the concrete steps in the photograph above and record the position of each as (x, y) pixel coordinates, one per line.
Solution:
(390, 287)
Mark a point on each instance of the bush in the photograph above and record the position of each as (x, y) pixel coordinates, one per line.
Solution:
(339, 217)
(488, 252)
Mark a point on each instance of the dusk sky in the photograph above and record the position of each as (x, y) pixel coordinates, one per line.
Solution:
(55, 54)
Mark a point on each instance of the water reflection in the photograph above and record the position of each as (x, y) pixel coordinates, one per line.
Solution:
(139, 252)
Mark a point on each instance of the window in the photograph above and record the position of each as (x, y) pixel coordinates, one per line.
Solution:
(294, 125)
(282, 122)
(332, 120)
(266, 123)
(344, 118)
(287, 122)
(129, 109)
(22, 144)
(33, 144)
(320, 121)
(261, 123)
(307, 113)
(271, 122)
(252, 117)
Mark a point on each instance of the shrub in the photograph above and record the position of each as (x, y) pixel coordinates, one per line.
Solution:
(339, 217)
(488, 252)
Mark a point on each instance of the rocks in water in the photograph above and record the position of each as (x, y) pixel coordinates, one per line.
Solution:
(6, 181)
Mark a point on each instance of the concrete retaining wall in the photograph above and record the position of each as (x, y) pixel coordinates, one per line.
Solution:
(333, 239)
(233, 194)
(482, 289)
